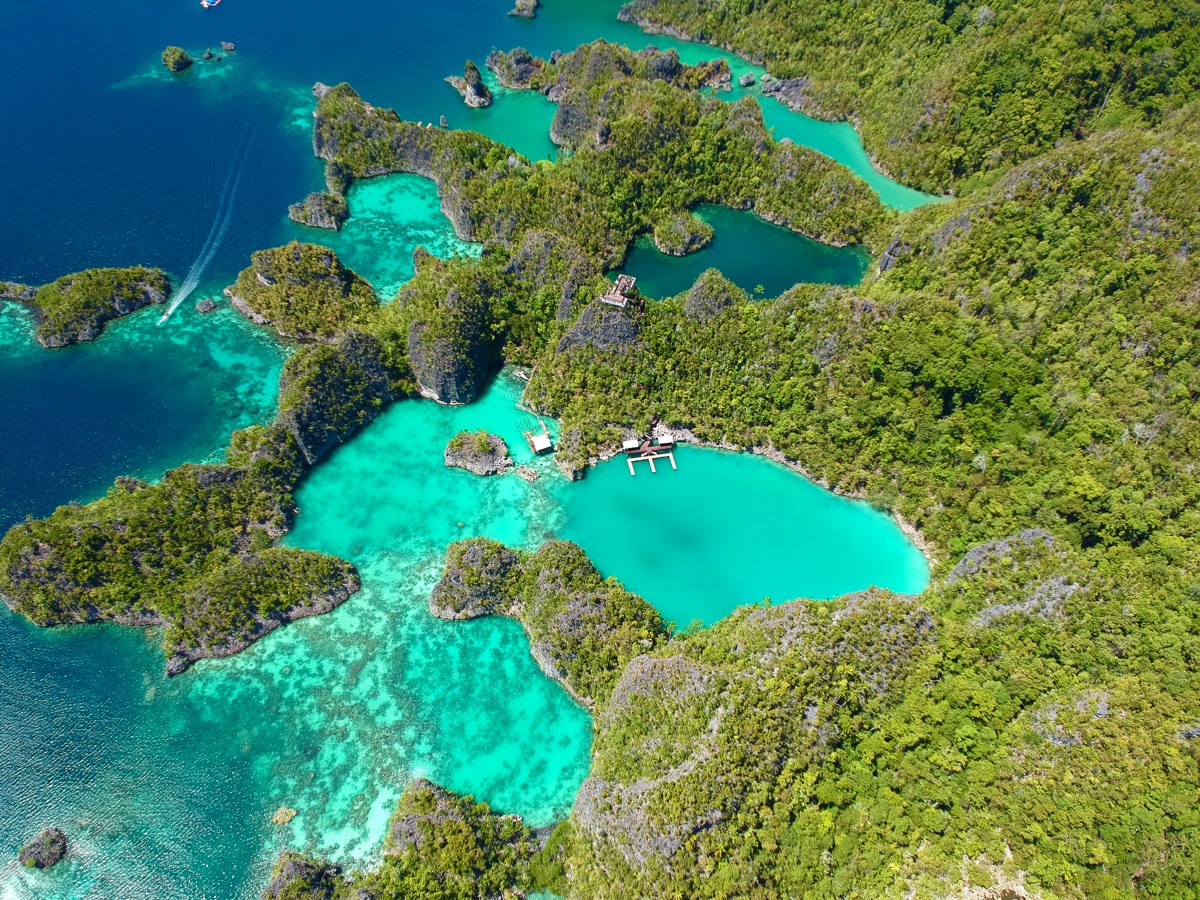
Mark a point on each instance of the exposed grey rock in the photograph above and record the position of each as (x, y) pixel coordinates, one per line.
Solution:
(320, 210)
(975, 558)
(320, 418)
(228, 46)
(747, 80)
(895, 250)
(573, 125)
(514, 69)
(478, 453)
(603, 327)
(476, 580)
(1045, 601)
(208, 304)
(791, 92)
(45, 850)
(546, 257)
(470, 85)
(711, 295)
(296, 876)
(526, 9)
(21, 293)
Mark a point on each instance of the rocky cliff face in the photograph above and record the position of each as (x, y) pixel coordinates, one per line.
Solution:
(479, 453)
(470, 85)
(526, 9)
(77, 307)
(304, 292)
(329, 391)
(451, 346)
(603, 327)
(654, 804)
(45, 850)
(320, 210)
(546, 257)
(711, 295)
(294, 877)
(515, 69)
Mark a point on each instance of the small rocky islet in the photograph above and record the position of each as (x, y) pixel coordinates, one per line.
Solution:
(76, 307)
(45, 850)
(478, 452)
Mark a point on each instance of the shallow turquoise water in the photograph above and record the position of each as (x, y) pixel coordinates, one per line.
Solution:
(388, 218)
(727, 529)
(750, 252)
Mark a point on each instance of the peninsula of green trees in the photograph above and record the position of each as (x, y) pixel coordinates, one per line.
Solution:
(77, 307)
(1017, 377)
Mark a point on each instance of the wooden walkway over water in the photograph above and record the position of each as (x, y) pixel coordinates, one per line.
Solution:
(648, 450)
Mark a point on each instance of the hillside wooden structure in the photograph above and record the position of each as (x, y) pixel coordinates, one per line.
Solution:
(620, 295)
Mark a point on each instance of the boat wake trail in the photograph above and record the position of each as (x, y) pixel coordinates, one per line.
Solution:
(216, 234)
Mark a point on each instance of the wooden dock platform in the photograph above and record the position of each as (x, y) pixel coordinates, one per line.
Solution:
(636, 451)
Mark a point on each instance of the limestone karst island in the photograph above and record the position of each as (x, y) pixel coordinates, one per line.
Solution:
(600, 450)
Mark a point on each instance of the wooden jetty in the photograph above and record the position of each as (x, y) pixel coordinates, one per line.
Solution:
(649, 450)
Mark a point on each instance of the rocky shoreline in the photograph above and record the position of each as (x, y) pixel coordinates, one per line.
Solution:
(45, 850)
(568, 612)
(478, 452)
(77, 307)
(809, 106)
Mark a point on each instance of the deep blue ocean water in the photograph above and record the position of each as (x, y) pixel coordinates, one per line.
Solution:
(166, 787)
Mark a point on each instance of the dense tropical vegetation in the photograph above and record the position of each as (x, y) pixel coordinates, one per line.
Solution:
(76, 307)
(1018, 378)
(944, 91)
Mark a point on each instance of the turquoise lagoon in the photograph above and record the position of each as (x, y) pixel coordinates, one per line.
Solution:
(166, 787)
(762, 259)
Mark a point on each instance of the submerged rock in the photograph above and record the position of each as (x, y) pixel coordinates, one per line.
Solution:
(478, 452)
(44, 850)
(283, 815)
(470, 84)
